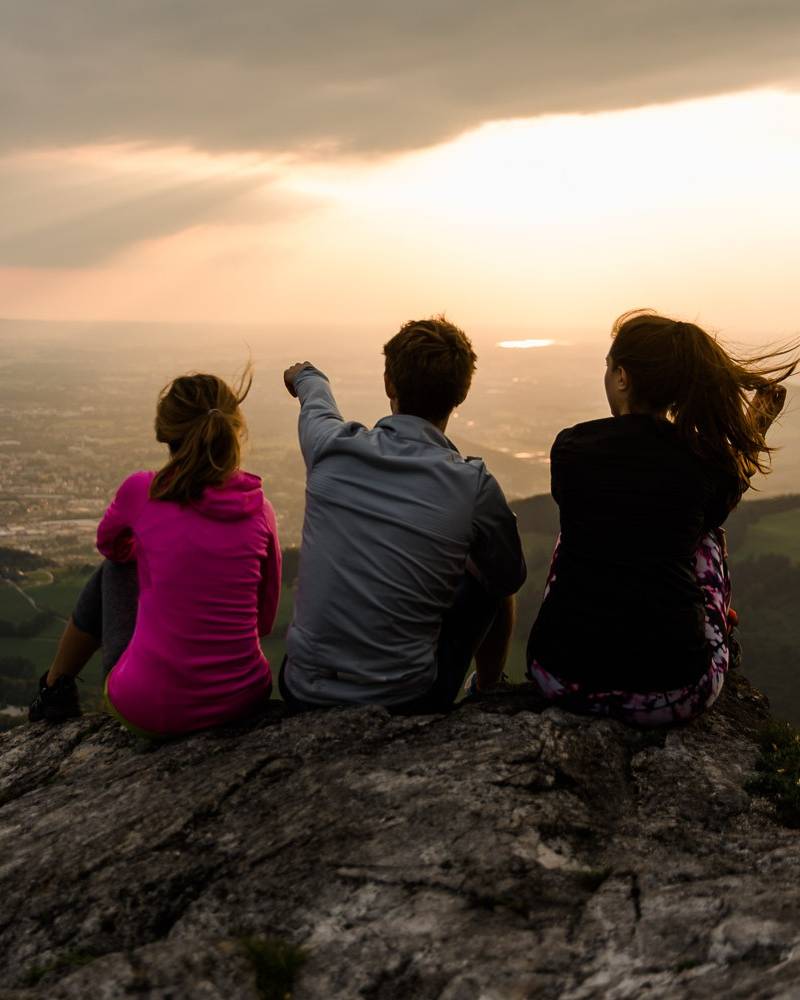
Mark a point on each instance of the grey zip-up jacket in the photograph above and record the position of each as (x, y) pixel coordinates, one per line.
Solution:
(393, 517)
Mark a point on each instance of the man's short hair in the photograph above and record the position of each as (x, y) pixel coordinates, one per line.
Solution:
(430, 364)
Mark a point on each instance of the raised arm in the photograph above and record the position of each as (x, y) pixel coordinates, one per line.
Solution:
(320, 420)
(269, 591)
(766, 404)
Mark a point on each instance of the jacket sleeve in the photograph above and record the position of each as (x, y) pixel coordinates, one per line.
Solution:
(269, 591)
(320, 420)
(496, 550)
(115, 533)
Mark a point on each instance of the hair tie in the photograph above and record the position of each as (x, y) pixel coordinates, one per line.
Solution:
(213, 410)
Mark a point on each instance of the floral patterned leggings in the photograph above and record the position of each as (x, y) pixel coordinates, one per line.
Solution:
(661, 708)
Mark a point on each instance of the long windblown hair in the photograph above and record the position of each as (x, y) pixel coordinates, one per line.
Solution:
(679, 368)
(198, 416)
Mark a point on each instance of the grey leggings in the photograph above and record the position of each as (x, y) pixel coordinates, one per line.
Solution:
(106, 608)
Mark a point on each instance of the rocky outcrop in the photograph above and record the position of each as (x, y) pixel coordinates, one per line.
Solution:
(500, 852)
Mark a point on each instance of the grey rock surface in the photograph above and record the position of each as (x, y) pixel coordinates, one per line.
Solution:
(502, 852)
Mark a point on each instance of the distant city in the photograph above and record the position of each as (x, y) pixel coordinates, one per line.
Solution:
(77, 407)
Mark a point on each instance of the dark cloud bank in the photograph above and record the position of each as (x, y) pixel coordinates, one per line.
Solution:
(362, 75)
(347, 76)
(74, 216)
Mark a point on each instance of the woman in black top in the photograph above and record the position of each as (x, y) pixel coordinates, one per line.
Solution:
(634, 622)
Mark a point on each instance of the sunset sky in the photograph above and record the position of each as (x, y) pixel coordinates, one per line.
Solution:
(536, 166)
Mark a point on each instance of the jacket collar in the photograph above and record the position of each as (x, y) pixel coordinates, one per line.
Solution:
(404, 425)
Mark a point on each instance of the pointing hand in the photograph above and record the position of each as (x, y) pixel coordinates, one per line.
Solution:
(291, 374)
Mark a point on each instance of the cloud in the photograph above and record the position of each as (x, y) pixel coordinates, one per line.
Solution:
(360, 76)
(72, 212)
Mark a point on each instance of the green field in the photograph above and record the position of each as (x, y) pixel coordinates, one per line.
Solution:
(38, 649)
(58, 596)
(777, 534)
(55, 593)
(13, 606)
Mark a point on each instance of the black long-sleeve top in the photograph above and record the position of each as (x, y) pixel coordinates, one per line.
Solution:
(625, 610)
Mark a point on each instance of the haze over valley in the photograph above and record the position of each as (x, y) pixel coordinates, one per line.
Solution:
(77, 403)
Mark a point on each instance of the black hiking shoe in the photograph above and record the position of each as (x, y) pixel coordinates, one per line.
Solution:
(56, 703)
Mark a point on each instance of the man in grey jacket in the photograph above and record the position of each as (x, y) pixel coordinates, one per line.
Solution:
(410, 554)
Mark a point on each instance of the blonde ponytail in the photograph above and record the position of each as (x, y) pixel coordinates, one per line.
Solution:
(198, 416)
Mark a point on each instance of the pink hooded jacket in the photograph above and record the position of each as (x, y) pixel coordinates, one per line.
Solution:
(209, 584)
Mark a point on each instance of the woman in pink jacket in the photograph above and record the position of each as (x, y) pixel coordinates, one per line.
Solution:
(192, 579)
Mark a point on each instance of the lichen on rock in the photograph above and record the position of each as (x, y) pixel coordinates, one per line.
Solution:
(502, 852)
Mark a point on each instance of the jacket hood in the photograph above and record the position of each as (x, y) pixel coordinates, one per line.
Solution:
(238, 497)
